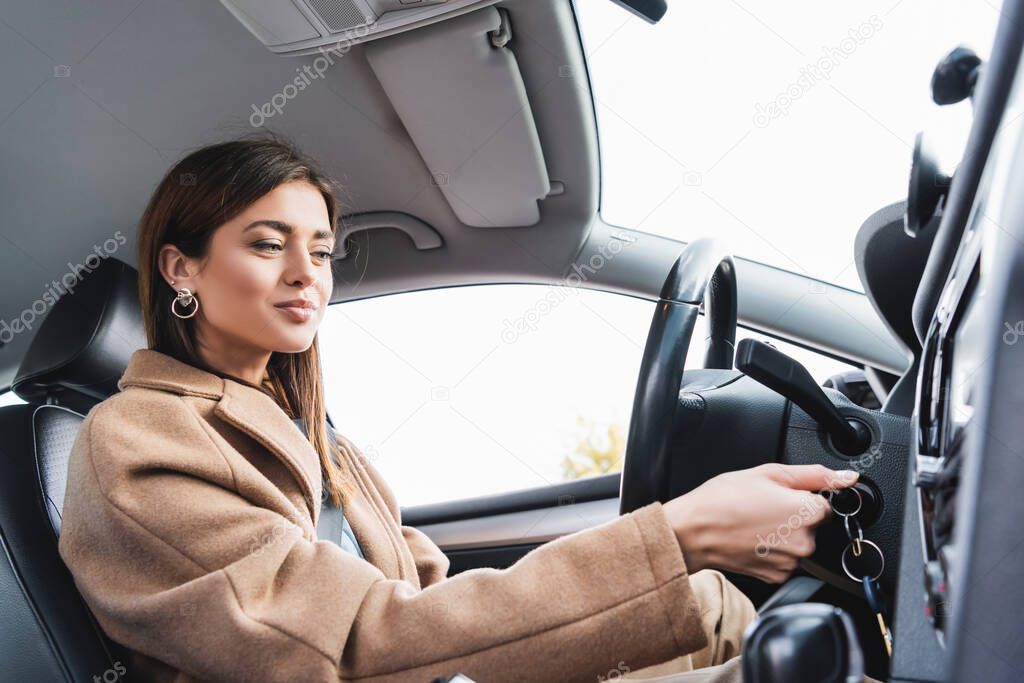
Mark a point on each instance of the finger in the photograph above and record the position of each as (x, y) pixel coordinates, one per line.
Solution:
(782, 560)
(841, 479)
(808, 548)
(768, 574)
(777, 575)
(817, 508)
(813, 477)
(802, 545)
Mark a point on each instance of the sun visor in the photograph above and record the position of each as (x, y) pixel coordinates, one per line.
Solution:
(305, 27)
(457, 88)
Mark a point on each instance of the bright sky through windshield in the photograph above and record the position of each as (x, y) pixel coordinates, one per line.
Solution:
(778, 127)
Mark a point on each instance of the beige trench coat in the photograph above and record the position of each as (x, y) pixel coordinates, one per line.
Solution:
(189, 527)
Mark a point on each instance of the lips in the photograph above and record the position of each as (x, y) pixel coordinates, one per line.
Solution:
(296, 303)
(299, 310)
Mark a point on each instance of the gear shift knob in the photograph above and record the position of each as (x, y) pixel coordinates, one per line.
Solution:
(807, 642)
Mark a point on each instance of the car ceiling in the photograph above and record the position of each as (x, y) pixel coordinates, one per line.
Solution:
(102, 98)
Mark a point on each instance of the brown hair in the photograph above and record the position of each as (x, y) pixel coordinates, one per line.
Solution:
(200, 193)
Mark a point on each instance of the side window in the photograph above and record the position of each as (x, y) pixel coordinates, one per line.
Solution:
(820, 366)
(468, 391)
(9, 398)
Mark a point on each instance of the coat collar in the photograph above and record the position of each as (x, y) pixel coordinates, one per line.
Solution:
(240, 405)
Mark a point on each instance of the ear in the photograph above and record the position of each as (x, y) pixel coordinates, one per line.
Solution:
(176, 267)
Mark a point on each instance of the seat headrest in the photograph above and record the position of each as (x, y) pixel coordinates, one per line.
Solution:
(84, 344)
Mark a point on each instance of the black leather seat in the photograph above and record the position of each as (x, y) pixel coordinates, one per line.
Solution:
(74, 361)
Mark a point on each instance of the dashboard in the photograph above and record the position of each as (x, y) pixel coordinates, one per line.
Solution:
(963, 613)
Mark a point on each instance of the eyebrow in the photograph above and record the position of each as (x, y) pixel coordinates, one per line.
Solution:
(286, 229)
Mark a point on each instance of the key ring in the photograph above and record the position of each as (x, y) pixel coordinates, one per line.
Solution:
(855, 540)
(881, 558)
(847, 515)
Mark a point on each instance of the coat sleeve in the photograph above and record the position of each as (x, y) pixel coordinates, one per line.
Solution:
(179, 565)
(431, 562)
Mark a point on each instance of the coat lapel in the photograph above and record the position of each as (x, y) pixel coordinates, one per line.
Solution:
(256, 414)
(248, 409)
(259, 416)
(380, 541)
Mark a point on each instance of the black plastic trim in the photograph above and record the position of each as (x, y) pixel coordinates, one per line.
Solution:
(599, 487)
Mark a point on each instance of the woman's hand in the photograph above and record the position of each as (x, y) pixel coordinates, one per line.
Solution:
(759, 521)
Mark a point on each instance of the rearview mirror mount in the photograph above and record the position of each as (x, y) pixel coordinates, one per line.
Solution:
(650, 11)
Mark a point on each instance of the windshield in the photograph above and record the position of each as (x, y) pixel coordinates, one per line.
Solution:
(776, 127)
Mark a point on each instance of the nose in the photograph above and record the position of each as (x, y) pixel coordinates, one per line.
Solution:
(300, 270)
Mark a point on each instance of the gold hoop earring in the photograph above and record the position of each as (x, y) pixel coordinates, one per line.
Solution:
(186, 299)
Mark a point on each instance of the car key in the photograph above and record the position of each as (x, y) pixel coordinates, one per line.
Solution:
(876, 601)
(866, 568)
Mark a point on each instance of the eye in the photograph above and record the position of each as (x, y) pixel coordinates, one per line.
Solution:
(265, 246)
(325, 254)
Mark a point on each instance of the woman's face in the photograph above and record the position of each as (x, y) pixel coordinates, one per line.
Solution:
(277, 250)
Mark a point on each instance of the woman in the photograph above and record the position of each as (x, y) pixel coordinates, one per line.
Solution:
(194, 494)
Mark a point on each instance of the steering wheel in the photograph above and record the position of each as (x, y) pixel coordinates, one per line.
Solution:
(703, 268)
(689, 426)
